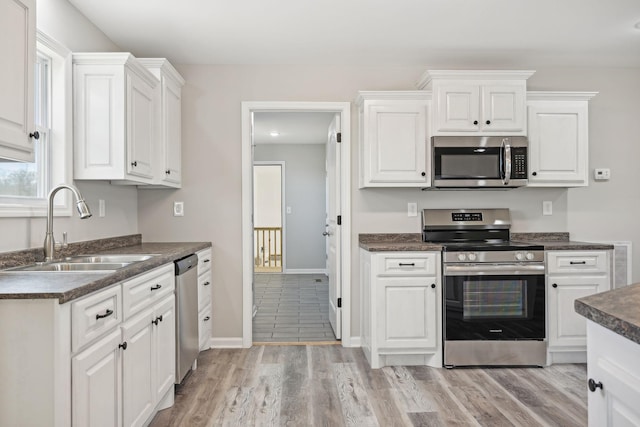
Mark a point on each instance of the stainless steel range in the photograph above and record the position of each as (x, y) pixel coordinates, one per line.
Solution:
(494, 293)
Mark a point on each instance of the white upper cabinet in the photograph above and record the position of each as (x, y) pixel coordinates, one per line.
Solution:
(114, 118)
(558, 131)
(394, 139)
(18, 52)
(169, 121)
(477, 102)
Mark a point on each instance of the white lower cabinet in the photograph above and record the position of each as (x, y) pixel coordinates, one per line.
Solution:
(614, 376)
(96, 384)
(204, 299)
(401, 309)
(572, 275)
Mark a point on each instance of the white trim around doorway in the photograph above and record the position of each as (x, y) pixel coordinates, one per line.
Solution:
(249, 107)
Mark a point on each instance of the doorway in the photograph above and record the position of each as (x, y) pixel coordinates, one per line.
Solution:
(292, 306)
(342, 233)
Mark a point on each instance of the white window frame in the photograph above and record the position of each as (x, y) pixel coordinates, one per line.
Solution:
(60, 139)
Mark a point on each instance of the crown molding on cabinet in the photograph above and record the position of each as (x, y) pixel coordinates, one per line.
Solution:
(559, 96)
(425, 80)
(405, 95)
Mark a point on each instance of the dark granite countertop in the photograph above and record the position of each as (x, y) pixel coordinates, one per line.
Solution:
(406, 242)
(617, 310)
(381, 242)
(67, 286)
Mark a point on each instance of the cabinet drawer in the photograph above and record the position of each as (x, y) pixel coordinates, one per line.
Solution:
(143, 290)
(95, 315)
(577, 262)
(407, 265)
(204, 327)
(204, 260)
(204, 290)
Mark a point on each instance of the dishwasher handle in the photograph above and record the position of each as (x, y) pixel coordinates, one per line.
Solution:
(185, 264)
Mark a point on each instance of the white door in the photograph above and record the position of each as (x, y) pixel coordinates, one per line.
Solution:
(332, 232)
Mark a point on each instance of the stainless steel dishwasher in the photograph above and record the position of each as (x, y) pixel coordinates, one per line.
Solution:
(187, 347)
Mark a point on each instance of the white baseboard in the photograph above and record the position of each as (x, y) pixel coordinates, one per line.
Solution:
(232, 342)
(306, 271)
(355, 342)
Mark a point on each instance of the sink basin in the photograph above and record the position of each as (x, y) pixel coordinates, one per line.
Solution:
(73, 266)
(115, 258)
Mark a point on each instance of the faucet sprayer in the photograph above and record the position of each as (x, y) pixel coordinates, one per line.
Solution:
(83, 212)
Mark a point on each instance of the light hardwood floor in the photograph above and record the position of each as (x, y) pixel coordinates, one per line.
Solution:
(333, 386)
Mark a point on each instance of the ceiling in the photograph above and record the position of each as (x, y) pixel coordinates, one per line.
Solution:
(433, 33)
(292, 127)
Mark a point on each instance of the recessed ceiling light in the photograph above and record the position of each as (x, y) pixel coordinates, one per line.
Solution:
(274, 133)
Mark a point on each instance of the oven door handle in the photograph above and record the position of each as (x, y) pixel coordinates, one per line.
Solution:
(493, 269)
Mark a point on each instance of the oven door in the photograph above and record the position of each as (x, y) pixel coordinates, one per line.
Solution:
(494, 302)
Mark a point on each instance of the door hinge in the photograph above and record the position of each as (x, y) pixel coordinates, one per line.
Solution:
(339, 302)
(339, 219)
(339, 137)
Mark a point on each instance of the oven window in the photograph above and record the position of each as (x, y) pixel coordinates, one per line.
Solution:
(469, 166)
(494, 299)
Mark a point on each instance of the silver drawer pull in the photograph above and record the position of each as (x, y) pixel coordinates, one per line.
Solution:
(577, 262)
(407, 264)
(106, 314)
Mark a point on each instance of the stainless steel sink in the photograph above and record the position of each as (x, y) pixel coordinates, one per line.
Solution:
(73, 266)
(115, 258)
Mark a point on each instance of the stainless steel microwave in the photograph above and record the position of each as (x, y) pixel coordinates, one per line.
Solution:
(479, 161)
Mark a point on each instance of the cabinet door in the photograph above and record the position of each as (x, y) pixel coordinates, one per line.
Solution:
(558, 144)
(457, 108)
(18, 52)
(137, 369)
(172, 130)
(165, 346)
(566, 327)
(96, 384)
(612, 360)
(140, 127)
(503, 108)
(407, 312)
(395, 141)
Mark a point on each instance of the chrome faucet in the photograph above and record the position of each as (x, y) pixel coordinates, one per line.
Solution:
(83, 211)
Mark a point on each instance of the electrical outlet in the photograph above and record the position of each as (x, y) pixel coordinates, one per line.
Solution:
(547, 207)
(412, 209)
(178, 208)
(101, 208)
(288, 209)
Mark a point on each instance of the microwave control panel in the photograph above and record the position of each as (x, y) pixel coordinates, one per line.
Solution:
(518, 162)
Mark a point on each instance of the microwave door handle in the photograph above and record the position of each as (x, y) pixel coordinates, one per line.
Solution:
(507, 160)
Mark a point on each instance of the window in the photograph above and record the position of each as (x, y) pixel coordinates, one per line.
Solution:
(24, 186)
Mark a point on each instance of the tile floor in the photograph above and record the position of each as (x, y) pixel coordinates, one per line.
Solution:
(291, 308)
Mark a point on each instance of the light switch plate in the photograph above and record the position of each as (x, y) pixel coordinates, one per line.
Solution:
(547, 208)
(178, 208)
(101, 208)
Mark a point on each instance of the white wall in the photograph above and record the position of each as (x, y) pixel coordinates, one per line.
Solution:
(212, 135)
(305, 194)
(61, 21)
